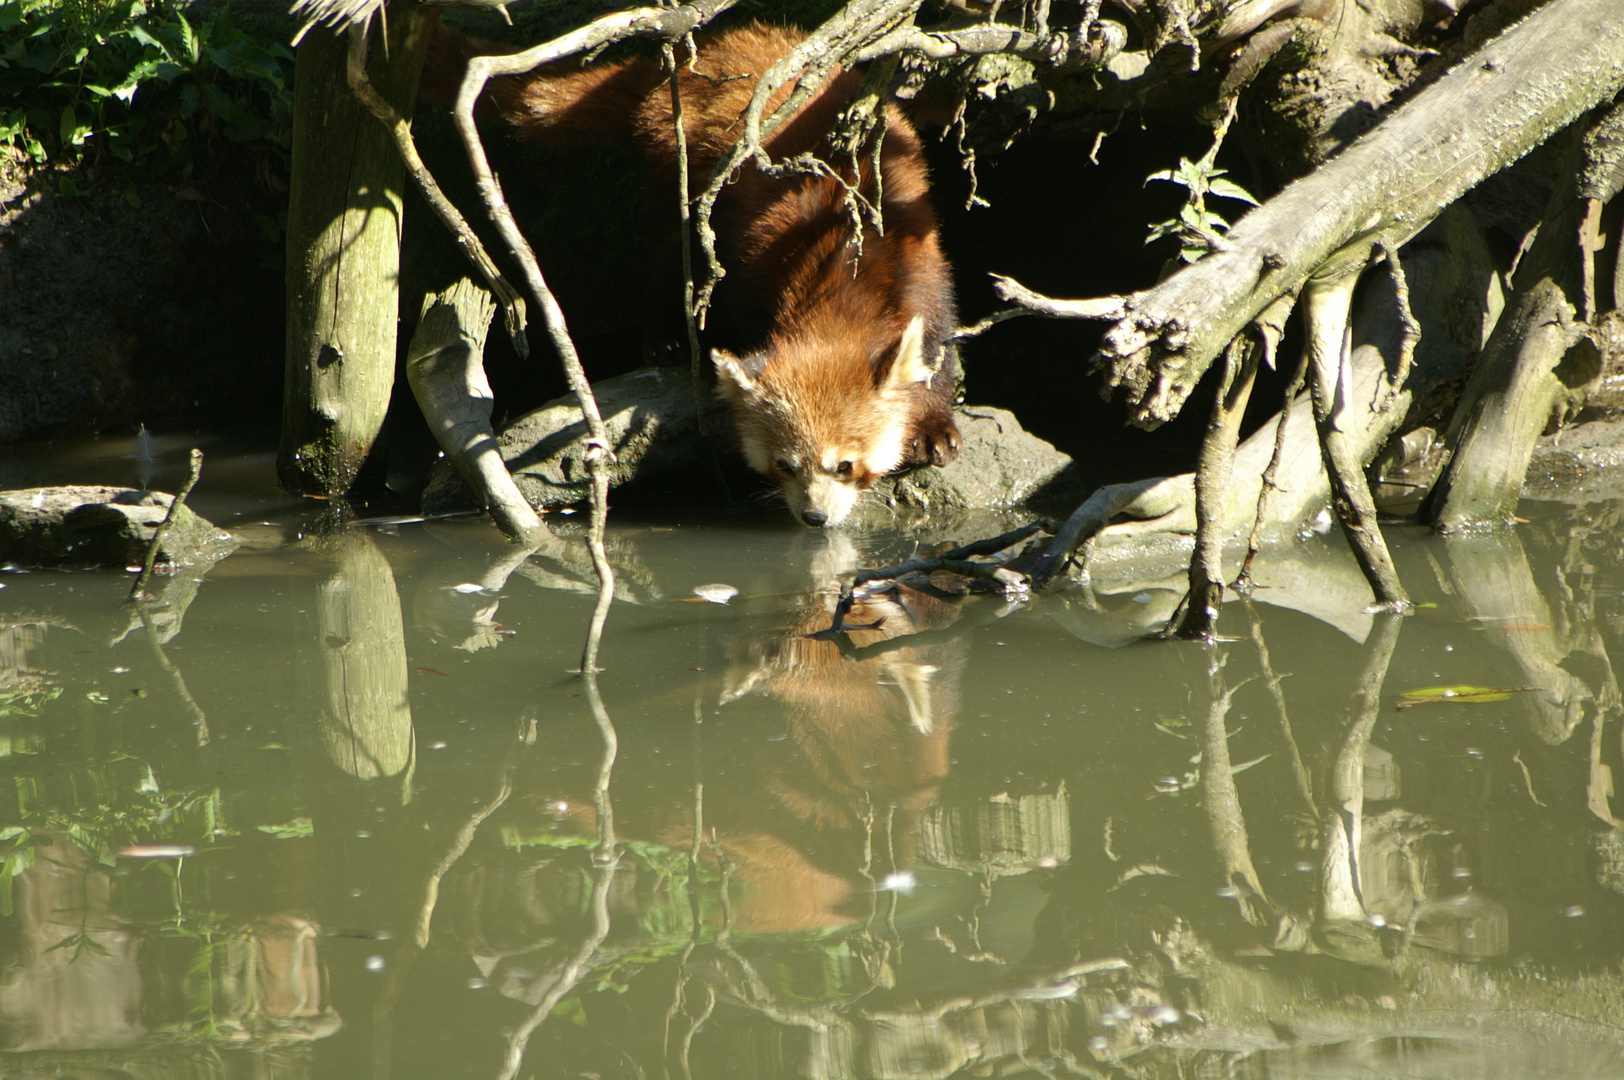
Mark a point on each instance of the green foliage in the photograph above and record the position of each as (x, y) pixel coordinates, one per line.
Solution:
(297, 829)
(87, 80)
(125, 806)
(1197, 227)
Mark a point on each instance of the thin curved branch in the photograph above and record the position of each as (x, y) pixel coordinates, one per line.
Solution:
(1011, 291)
(400, 129)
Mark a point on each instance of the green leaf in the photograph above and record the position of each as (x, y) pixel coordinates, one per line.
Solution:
(67, 125)
(1228, 189)
(1460, 695)
(188, 40)
(131, 197)
(296, 829)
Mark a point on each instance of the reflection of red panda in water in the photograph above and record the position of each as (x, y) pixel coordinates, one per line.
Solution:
(842, 375)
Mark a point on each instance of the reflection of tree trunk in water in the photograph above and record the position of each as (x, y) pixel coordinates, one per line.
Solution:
(366, 723)
(1340, 897)
(1491, 575)
(1599, 786)
(71, 978)
(605, 860)
(1220, 799)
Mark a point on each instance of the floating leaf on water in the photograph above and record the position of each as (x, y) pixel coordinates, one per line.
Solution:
(715, 594)
(1465, 695)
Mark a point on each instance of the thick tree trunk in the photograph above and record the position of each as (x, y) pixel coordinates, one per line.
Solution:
(1507, 98)
(1536, 357)
(343, 261)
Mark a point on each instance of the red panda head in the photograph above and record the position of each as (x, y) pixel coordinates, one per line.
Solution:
(822, 420)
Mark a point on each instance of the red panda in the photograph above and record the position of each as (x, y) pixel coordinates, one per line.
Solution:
(832, 355)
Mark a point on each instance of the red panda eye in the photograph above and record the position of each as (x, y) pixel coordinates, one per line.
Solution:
(785, 467)
(844, 468)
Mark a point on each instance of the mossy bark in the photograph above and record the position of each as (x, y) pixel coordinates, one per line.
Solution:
(343, 257)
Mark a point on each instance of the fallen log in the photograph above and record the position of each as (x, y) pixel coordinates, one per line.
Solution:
(1507, 98)
(445, 367)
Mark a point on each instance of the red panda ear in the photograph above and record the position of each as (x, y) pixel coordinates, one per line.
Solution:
(731, 378)
(909, 366)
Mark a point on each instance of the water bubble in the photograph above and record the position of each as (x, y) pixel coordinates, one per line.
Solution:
(1099, 1044)
(899, 881)
(1163, 1015)
(375, 963)
(1573, 911)
(438, 745)
(1303, 866)
(1377, 919)
(476, 983)
(363, 834)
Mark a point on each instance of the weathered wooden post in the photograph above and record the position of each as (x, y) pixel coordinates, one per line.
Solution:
(343, 256)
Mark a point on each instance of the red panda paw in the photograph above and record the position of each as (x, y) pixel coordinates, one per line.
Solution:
(935, 441)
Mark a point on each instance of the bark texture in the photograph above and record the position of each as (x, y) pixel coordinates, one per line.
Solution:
(1490, 110)
(343, 258)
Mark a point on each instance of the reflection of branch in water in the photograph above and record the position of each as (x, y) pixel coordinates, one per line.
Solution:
(695, 914)
(1271, 679)
(1341, 894)
(176, 681)
(1221, 800)
(605, 859)
(383, 1010)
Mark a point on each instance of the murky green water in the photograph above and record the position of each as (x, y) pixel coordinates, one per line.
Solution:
(341, 810)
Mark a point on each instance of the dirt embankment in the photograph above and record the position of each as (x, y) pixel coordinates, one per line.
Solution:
(167, 313)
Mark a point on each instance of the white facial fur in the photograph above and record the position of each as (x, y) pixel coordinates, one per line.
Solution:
(784, 436)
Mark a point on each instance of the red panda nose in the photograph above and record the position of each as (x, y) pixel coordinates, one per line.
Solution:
(814, 517)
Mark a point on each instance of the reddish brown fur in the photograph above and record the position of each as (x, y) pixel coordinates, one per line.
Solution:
(818, 325)
(869, 747)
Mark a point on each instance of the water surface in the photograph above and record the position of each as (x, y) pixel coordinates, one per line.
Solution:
(339, 807)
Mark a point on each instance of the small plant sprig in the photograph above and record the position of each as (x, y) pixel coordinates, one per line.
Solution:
(1198, 229)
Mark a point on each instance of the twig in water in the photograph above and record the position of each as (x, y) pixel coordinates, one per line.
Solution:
(140, 586)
